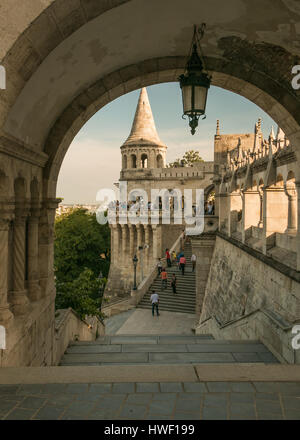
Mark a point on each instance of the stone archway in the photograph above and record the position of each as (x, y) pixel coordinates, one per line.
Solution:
(65, 60)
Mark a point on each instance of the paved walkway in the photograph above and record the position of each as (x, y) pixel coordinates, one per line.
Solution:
(141, 322)
(146, 401)
(178, 392)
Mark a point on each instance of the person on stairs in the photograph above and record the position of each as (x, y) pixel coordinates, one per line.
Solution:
(193, 260)
(173, 283)
(164, 278)
(159, 266)
(155, 301)
(168, 257)
(182, 263)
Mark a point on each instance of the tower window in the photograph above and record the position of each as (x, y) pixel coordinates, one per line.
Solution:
(133, 161)
(144, 161)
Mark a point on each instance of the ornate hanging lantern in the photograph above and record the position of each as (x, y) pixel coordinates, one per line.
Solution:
(195, 82)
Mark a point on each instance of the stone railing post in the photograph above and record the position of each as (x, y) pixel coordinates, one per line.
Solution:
(20, 300)
(291, 193)
(5, 313)
(34, 289)
(298, 224)
(46, 245)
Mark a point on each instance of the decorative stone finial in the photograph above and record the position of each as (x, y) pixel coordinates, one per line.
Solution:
(279, 134)
(272, 136)
(259, 125)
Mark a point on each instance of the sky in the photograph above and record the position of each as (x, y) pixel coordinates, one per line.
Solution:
(93, 160)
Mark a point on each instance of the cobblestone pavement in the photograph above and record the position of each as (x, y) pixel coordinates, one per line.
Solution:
(146, 401)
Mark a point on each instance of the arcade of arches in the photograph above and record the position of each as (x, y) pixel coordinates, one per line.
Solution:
(65, 60)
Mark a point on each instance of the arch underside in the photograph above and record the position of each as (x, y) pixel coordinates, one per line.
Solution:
(80, 64)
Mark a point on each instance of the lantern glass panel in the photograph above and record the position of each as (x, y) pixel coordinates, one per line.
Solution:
(200, 98)
(187, 98)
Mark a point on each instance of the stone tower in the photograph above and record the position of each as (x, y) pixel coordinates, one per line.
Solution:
(143, 148)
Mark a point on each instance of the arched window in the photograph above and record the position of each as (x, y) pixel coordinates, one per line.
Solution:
(124, 166)
(133, 161)
(144, 161)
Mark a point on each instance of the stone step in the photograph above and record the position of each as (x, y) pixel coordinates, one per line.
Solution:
(215, 347)
(147, 339)
(165, 349)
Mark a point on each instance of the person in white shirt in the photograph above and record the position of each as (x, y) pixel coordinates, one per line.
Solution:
(193, 260)
(154, 300)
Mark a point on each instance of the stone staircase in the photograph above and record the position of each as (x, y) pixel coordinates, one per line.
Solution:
(164, 349)
(185, 299)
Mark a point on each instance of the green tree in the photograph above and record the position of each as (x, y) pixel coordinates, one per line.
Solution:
(82, 294)
(189, 158)
(81, 253)
(80, 242)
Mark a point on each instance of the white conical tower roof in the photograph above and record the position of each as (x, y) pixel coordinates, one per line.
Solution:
(143, 131)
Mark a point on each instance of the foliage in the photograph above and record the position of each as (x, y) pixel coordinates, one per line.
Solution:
(81, 253)
(82, 294)
(189, 158)
(80, 241)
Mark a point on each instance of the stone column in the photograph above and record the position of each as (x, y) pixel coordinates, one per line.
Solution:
(5, 313)
(138, 252)
(298, 224)
(112, 246)
(291, 193)
(124, 252)
(46, 246)
(20, 300)
(155, 243)
(131, 240)
(139, 236)
(203, 247)
(251, 211)
(235, 203)
(147, 249)
(34, 289)
(223, 211)
(275, 208)
(115, 232)
(260, 223)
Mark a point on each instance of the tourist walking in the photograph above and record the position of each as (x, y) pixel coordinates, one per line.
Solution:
(178, 259)
(173, 283)
(182, 263)
(164, 278)
(174, 257)
(155, 301)
(193, 260)
(168, 257)
(159, 266)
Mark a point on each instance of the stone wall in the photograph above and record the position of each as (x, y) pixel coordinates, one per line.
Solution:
(69, 327)
(30, 339)
(40, 340)
(239, 284)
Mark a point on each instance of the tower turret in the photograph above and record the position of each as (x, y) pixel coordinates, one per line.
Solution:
(143, 147)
